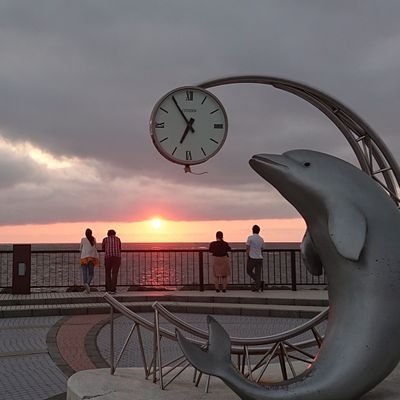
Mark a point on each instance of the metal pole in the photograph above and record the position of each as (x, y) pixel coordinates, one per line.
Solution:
(154, 361)
(293, 269)
(159, 360)
(112, 341)
(201, 271)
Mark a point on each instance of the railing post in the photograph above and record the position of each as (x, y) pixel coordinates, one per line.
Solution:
(21, 276)
(201, 271)
(293, 269)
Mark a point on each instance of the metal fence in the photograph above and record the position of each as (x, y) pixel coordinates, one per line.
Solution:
(174, 268)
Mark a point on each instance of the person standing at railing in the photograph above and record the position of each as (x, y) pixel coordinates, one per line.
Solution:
(254, 249)
(89, 258)
(219, 249)
(112, 247)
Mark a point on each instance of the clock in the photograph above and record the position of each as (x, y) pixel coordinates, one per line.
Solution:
(188, 125)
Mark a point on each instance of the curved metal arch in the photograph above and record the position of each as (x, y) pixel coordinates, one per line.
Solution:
(372, 154)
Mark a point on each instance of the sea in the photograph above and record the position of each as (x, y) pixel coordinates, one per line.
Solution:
(152, 264)
(153, 246)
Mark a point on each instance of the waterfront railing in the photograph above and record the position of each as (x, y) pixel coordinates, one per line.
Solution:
(172, 268)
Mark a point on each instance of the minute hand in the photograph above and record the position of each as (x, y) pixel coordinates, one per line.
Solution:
(189, 125)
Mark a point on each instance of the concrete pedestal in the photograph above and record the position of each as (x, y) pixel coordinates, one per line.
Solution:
(129, 383)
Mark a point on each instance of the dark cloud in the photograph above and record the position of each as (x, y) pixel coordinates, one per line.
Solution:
(79, 80)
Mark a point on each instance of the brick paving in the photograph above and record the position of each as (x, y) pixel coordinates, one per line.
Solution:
(39, 353)
(27, 370)
(71, 340)
(304, 303)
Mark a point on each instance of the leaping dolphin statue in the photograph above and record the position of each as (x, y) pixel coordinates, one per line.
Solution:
(353, 231)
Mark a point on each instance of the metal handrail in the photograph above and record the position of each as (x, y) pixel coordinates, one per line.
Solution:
(135, 317)
(268, 347)
(125, 311)
(250, 341)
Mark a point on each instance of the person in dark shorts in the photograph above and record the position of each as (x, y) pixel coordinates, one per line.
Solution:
(112, 247)
(219, 249)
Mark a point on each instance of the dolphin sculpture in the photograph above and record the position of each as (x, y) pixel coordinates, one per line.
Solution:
(353, 230)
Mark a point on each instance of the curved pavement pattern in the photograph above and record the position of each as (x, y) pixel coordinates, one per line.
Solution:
(38, 354)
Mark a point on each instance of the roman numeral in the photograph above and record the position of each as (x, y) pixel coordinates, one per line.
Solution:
(203, 151)
(163, 140)
(213, 140)
(189, 95)
(218, 126)
(188, 155)
(174, 151)
(213, 112)
(160, 124)
(163, 109)
(204, 100)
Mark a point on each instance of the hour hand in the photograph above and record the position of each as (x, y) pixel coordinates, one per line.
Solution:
(188, 128)
(189, 125)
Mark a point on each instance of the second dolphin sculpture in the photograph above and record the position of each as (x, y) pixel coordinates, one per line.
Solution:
(353, 231)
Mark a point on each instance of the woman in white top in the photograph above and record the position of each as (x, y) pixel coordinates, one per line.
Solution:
(89, 258)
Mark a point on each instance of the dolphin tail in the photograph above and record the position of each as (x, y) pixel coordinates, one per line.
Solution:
(216, 360)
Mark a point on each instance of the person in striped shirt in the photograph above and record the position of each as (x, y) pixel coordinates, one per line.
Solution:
(112, 247)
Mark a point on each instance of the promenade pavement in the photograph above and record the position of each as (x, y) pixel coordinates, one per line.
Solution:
(234, 301)
(39, 353)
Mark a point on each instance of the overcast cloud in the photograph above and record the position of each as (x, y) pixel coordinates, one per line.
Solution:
(78, 81)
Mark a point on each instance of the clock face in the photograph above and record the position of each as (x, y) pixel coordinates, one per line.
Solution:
(188, 125)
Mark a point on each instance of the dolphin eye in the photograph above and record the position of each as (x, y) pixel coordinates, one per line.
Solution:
(306, 164)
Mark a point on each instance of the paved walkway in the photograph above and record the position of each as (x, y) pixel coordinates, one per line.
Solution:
(307, 294)
(39, 353)
(27, 369)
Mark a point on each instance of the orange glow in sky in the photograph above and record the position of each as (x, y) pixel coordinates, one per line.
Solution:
(156, 229)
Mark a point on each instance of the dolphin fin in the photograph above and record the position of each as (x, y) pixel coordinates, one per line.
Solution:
(309, 256)
(216, 360)
(348, 230)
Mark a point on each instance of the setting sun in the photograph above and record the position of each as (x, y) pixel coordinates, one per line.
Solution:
(156, 223)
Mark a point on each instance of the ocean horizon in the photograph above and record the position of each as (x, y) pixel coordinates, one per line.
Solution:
(151, 246)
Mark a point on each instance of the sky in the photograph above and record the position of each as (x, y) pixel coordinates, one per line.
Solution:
(79, 79)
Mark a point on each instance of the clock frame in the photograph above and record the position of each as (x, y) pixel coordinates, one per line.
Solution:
(188, 125)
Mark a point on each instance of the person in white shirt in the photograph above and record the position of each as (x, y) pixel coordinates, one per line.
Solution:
(254, 248)
(89, 258)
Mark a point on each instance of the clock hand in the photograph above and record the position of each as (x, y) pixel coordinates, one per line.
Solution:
(183, 115)
(188, 128)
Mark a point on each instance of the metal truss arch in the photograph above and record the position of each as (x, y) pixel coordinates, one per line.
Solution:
(372, 153)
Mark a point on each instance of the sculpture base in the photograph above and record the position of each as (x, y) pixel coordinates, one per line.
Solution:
(129, 383)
